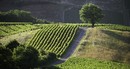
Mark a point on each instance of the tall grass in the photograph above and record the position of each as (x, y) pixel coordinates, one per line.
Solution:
(106, 45)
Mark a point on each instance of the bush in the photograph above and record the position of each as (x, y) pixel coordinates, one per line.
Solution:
(46, 57)
(6, 61)
(16, 56)
(13, 44)
(51, 56)
(28, 57)
(41, 21)
(25, 57)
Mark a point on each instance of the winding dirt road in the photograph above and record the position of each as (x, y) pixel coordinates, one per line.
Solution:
(79, 35)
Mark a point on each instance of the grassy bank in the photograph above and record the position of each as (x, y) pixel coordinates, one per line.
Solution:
(101, 48)
(105, 44)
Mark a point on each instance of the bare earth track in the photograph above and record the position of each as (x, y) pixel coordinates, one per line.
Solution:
(80, 33)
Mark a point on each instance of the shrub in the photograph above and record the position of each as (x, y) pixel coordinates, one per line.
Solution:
(46, 57)
(26, 57)
(29, 57)
(15, 56)
(6, 61)
(41, 21)
(13, 44)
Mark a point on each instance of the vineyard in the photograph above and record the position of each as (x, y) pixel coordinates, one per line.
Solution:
(14, 23)
(54, 38)
(104, 26)
(87, 63)
(15, 27)
(9, 28)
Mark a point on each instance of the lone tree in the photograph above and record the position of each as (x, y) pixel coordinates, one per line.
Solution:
(90, 13)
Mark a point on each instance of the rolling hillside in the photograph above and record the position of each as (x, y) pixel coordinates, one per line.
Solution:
(101, 47)
(106, 46)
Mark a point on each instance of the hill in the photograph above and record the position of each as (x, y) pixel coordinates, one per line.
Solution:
(101, 48)
(68, 10)
(106, 44)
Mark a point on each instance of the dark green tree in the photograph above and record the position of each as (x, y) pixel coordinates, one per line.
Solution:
(90, 13)
(6, 61)
(15, 56)
(46, 58)
(25, 57)
(12, 44)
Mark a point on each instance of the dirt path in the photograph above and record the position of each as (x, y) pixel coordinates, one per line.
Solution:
(80, 33)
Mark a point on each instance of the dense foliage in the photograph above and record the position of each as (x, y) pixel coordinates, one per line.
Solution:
(12, 44)
(6, 60)
(90, 13)
(54, 38)
(16, 16)
(25, 57)
(20, 16)
(22, 57)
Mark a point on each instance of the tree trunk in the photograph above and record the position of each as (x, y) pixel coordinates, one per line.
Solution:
(93, 24)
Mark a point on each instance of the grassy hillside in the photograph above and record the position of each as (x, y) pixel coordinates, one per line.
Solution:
(101, 47)
(106, 44)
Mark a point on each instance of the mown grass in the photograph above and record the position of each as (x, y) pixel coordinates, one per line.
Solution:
(89, 63)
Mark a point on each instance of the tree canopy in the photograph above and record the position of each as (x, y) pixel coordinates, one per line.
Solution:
(17, 56)
(90, 13)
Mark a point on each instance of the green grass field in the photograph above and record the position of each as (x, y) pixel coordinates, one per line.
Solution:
(89, 63)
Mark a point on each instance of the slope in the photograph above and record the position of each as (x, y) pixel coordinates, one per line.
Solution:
(106, 44)
(101, 48)
(54, 38)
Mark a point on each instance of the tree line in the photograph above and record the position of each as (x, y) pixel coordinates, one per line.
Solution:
(19, 16)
